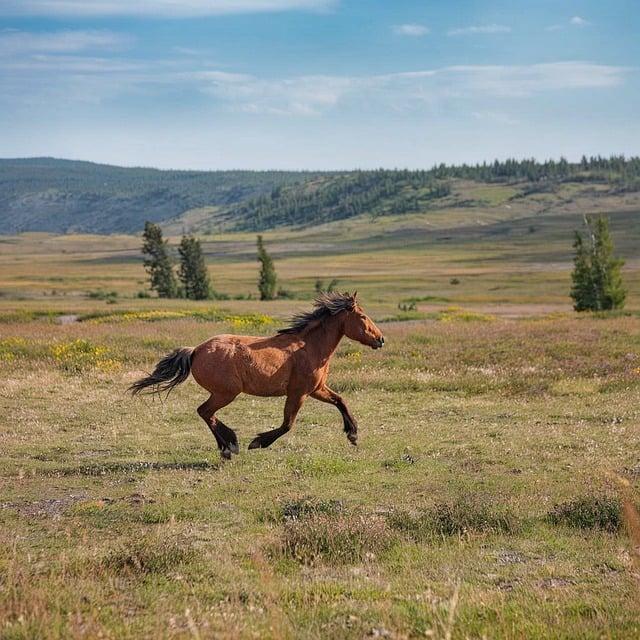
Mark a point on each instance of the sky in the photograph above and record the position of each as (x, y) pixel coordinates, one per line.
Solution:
(318, 84)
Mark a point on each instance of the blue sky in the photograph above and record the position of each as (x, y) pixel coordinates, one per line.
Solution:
(319, 84)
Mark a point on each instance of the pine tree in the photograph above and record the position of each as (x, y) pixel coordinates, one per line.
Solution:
(268, 281)
(597, 281)
(607, 279)
(582, 290)
(157, 262)
(193, 270)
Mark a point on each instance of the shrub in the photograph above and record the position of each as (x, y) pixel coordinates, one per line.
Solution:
(305, 507)
(459, 517)
(589, 512)
(338, 540)
(147, 556)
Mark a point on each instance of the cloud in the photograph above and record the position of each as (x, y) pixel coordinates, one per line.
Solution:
(163, 8)
(24, 42)
(407, 91)
(61, 79)
(577, 21)
(554, 27)
(479, 29)
(415, 30)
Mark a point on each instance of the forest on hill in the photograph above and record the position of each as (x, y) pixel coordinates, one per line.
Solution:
(47, 194)
(386, 192)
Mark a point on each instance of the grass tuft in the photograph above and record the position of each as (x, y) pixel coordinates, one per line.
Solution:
(460, 517)
(147, 556)
(589, 512)
(344, 539)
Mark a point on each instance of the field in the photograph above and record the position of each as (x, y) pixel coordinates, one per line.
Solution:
(484, 498)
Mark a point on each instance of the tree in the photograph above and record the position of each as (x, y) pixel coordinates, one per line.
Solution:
(157, 262)
(597, 281)
(607, 279)
(193, 270)
(268, 281)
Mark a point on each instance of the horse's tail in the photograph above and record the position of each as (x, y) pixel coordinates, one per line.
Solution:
(172, 370)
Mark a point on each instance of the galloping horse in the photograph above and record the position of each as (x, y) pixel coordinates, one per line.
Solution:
(293, 363)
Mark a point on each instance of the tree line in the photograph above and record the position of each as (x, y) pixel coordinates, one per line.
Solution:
(381, 192)
(192, 279)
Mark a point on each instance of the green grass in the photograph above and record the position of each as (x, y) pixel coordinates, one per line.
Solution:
(479, 502)
(482, 477)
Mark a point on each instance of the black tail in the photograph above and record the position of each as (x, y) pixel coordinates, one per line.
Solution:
(169, 372)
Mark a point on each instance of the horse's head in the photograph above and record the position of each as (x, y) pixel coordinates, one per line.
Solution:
(360, 327)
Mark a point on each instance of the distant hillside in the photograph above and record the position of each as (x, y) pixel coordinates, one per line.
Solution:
(47, 194)
(384, 192)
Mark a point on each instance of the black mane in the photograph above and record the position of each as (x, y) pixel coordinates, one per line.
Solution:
(325, 305)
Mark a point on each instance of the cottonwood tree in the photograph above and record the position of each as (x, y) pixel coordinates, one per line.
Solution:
(158, 262)
(193, 270)
(597, 281)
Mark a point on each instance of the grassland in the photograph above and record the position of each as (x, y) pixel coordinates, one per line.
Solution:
(482, 499)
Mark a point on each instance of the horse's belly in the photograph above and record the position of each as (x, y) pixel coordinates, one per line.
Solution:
(267, 381)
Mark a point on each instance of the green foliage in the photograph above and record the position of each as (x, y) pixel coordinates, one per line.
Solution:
(193, 270)
(589, 512)
(267, 283)
(48, 194)
(597, 282)
(158, 263)
(338, 196)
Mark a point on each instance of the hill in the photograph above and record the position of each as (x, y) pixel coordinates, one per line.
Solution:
(390, 193)
(48, 194)
(62, 196)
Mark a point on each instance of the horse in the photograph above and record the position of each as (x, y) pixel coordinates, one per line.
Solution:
(293, 363)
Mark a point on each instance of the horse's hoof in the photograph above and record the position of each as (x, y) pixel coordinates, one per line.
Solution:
(226, 454)
(256, 443)
(353, 439)
(233, 447)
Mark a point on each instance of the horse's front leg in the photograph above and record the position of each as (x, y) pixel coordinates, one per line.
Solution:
(324, 394)
(291, 408)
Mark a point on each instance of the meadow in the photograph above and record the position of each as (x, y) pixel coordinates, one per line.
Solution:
(485, 498)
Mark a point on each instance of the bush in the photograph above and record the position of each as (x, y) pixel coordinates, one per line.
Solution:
(460, 517)
(148, 556)
(338, 540)
(305, 507)
(589, 512)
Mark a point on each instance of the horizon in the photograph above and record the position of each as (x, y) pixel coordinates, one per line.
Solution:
(300, 84)
(321, 170)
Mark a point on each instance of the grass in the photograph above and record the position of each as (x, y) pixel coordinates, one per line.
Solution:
(118, 519)
(493, 492)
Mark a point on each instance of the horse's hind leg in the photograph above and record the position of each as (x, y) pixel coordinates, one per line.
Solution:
(225, 437)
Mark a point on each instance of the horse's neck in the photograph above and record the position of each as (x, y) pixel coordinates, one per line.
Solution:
(322, 340)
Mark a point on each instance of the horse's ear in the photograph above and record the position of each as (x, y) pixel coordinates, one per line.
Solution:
(355, 296)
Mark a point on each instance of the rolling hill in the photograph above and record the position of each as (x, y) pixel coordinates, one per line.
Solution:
(62, 196)
(48, 194)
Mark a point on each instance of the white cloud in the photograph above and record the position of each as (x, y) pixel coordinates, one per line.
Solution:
(314, 95)
(415, 30)
(554, 27)
(164, 8)
(24, 42)
(479, 29)
(61, 79)
(577, 21)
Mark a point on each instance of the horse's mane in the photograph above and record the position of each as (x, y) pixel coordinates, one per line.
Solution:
(325, 305)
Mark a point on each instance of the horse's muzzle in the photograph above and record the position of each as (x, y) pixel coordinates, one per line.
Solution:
(379, 343)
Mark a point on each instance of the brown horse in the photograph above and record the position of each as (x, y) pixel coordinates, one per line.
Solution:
(293, 363)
